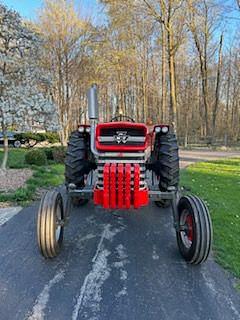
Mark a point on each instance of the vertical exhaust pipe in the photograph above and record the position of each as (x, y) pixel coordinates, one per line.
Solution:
(93, 115)
(92, 95)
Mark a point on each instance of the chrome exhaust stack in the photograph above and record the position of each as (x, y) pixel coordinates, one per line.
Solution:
(93, 110)
(93, 114)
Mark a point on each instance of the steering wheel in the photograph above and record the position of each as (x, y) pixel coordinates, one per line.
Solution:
(122, 118)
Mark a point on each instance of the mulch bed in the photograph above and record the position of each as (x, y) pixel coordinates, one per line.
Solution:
(4, 205)
(12, 179)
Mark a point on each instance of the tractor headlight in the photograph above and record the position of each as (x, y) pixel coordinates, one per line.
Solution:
(164, 129)
(88, 129)
(81, 129)
(157, 129)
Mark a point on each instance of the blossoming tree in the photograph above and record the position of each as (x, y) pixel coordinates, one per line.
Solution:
(24, 95)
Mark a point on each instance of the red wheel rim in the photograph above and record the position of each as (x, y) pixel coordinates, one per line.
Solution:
(189, 225)
(186, 228)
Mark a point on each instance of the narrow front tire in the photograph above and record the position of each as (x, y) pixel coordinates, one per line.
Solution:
(194, 236)
(50, 224)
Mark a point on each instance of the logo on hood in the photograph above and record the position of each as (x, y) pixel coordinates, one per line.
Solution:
(121, 137)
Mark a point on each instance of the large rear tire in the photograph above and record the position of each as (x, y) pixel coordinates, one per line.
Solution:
(77, 164)
(194, 236)
(77, 159)
(166, 163)
(50, 224)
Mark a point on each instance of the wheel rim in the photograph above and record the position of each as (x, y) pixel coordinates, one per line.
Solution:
(186, 227)
(58, 223)
(17, 144)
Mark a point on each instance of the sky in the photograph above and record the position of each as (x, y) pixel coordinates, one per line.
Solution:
(28, 8)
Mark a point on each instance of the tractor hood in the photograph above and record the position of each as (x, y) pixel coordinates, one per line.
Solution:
(121, 136)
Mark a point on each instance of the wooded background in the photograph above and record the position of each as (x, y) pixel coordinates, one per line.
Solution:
(159, 61)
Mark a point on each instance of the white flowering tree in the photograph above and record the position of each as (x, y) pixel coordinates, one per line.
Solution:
(24, 93)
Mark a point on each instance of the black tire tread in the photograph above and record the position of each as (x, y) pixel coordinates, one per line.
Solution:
(46, 220)
(167, 161)
(206, 228)
(203, 231)
(76, 163)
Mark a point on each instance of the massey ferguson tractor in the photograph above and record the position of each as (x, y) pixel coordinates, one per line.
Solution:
(122, 165)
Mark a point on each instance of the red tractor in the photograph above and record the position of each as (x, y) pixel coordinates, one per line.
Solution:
(121, 165)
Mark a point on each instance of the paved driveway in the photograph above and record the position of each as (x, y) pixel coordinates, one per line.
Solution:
(190, 156)
(114, 265)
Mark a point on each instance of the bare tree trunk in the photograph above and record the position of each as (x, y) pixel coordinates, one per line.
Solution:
(215, 108)
(173, 99)
(68, 105)
(203, 59)
(4, 131)
(186, 131)
(204, 80)
(144, 116)
(5, 149)
(229, 76)
(59, 96)
(164, 92)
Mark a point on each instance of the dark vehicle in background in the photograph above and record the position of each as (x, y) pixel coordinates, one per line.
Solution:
(12, 140)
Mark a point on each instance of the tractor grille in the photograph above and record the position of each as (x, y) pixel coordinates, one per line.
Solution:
(142, 183)
(123, 187)
(122, 136)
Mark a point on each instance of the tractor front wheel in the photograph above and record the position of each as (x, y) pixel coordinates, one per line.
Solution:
(194, 236)
(50, 224)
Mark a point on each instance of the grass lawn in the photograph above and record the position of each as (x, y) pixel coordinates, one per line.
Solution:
(16, 158)
(51, 175)
(218, 183)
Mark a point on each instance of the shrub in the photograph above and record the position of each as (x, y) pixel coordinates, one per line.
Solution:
(28, 136)
(22, 194)
(51, 137)
(59, 154)
(36, 157)
(49, 153)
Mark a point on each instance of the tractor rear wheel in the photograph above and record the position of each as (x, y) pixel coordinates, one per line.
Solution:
(50, 224)
(194, 236)
(77, 164)
(166, 163)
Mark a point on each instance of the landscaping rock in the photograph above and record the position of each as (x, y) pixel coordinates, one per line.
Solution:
(12, 179)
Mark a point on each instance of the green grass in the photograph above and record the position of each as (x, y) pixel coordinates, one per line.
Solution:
(237, 286)
(48, 176)
(15, 159)
(218, 183)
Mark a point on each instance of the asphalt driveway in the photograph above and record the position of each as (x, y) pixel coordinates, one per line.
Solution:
(114, 265)
(190, 156)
